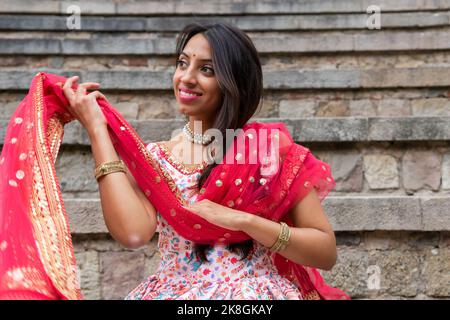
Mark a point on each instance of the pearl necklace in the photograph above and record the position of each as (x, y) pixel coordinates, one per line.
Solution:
(198, 138)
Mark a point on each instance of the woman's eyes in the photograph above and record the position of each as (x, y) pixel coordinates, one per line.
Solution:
(208, 68)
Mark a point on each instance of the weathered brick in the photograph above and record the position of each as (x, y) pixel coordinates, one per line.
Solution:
(85, 216)
(346, 169)
(88, 266)
(90, 7)
(330, 129)
(436, 212)
(44, 6)
(337, 108)
(437, 272)
(373, 213)
(278, 80)
(121, 272)
(297, 108)
(394, 107)
(421, 169)
(8, 109)
(408, 128)
(350, 272)
(431, 107)
(269, 109)
(75, 170)
(399, 271)
(381, 171)
(347, 213)
(128, 109)
(226, 7)
(247, 23)
(446, 172)
(362, 108)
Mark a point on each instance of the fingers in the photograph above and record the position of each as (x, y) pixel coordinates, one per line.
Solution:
(82, 88)
(67, 88)
(97, 95)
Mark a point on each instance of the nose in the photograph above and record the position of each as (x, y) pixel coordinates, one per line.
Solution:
(189, 75)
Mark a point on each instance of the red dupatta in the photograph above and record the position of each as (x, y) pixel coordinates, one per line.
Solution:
(36, 252)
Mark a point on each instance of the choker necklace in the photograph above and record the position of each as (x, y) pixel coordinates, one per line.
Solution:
(198, 138)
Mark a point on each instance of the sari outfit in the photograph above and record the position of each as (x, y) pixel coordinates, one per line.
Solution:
(36, 251)
(181, 275)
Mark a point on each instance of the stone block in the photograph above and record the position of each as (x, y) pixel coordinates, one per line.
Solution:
(75, 171)
(381, 171)
(437, 272)
(373, 213)
(431, 107)
(436, 213)
(346, 169)
(394, 108)
(446, 172)
(350, 272)
(297, 108)
(89, 270)
(362, 108)
(336, 108)
(399, 271)
(121, 272)
(421, 169)
(408, 129)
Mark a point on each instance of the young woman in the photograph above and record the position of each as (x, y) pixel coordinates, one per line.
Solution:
(226, 230)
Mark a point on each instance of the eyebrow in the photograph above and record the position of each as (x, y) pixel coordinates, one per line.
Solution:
(183, 53)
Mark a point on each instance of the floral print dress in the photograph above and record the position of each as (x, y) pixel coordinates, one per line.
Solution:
(181, 275)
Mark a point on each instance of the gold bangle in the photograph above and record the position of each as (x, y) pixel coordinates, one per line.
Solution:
(283, 238)
(109, 167)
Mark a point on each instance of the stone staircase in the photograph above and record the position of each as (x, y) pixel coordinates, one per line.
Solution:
(374, 104)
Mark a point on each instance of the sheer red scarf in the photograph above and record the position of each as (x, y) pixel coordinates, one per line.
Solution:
(36, 252)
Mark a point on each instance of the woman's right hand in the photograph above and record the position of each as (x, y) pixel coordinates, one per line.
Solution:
(83, 105)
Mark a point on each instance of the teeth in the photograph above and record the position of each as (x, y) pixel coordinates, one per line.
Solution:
(188, 94)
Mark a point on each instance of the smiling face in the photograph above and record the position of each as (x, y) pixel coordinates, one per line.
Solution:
(195, 74)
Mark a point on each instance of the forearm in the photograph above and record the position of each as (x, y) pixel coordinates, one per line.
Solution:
(309, 247)
(124, 214)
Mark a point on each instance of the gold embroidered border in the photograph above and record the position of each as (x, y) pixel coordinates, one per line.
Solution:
(313, 295)
(48, 216)
(26, 278)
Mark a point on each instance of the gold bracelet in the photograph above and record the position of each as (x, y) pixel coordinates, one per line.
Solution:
(109, 167)
(283, 238)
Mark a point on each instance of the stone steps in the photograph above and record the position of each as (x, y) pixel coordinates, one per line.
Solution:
(273, 80)
(311, 130)
(98, 7)
(348, 213)
(38, 43)
(310, 22)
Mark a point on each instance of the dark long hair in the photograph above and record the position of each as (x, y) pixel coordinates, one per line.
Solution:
(239, 75)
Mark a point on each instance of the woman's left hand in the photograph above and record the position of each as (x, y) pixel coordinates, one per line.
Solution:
(217, 214)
